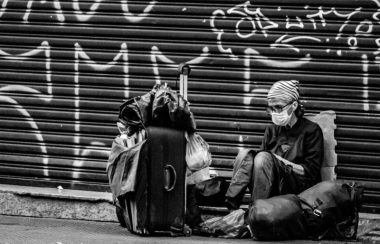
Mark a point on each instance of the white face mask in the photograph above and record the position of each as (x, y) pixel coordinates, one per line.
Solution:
(281, 118)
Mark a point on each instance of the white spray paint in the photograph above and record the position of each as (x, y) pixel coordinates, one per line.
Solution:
(45, 49)
(82, 57)
(136, 17)
(157, 57)
(34, 126)
(365, 82)
(57, 6)
(47, 97)
(291, 25)
(220, 33)
(85, 16)
(3, 7)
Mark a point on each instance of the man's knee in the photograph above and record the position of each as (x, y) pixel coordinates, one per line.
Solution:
(263, 159)
(244, 159)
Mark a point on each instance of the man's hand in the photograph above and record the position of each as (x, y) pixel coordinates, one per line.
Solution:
(285, 161)
(298, 169)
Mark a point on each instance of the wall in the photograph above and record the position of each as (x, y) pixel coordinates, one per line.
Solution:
(66, 66)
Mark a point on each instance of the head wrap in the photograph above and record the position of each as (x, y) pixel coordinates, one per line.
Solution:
(284, 89)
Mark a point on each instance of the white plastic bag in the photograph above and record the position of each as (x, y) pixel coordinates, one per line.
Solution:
(198, 155)
(196, 177)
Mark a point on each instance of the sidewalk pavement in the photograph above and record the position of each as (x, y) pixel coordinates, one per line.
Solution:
(60, 216)
(31, 230)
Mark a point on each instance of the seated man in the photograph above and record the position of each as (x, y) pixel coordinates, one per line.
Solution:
(291, 153)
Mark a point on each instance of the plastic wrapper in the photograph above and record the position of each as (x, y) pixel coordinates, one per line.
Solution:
(198, 176)
(198, 155)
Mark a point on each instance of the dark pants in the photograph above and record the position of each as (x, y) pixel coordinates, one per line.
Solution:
(264, 175)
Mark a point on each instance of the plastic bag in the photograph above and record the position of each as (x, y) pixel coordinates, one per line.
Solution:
(230, 226)
(198, 155)
(199, 176)
(135, 113)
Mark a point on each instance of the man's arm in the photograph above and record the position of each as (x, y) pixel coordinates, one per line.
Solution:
(298, 169)
(265, 140)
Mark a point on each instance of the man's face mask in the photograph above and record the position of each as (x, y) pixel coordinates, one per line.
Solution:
(282, 116)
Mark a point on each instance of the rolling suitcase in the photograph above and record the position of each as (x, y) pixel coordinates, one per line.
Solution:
(159, 203)
(167, 175)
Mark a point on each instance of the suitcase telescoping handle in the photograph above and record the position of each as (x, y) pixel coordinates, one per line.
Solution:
(183, 71)
(170, 177)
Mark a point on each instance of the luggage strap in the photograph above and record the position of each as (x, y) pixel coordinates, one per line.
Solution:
(318, 202)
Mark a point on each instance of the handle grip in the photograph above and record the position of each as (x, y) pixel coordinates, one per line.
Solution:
(184, 68)
(170, 177)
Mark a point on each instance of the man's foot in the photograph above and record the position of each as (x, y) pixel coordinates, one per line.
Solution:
(231, 203)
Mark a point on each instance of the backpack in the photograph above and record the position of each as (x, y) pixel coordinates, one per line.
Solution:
(328, 210)
(332, 209)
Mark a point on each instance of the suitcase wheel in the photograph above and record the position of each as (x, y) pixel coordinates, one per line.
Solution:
(187, 230)
(182, 231)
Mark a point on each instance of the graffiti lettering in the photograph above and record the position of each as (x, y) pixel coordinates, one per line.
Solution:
(265, 37)
(290, 25)
(365, 82)
(3, 7)
(57, 6)
(47, 97)
(158, 57)
(136, 17)
(80, 15)
(81, 56)
(44, 48)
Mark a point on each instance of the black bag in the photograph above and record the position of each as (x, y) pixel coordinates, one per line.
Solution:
(277, 218)
(332, 209)
(172, 110)
(328, 210)
(135, 113)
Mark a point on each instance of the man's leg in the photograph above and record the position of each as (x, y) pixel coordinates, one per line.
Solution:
(271, 177)
(265, 176)
(241, 178)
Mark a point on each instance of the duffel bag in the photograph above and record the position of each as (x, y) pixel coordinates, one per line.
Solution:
(331, 209)
(327, 210)
(277, 218)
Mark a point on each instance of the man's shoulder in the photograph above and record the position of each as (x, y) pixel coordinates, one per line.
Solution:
(310, 124)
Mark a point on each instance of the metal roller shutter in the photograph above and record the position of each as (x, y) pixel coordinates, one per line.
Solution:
(66, 66)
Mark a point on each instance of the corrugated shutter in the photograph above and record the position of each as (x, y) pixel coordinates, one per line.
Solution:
(66, 66)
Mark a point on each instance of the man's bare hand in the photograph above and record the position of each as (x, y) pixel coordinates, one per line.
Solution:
(285, 161)
(298, 169)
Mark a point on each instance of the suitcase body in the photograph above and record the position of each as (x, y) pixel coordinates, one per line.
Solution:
(159, 203)
(166, 179)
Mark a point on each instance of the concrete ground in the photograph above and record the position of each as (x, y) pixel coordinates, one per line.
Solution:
(61, 216)
(30, 230)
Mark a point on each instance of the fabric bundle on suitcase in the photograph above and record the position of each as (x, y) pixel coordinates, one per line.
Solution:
(128, 180)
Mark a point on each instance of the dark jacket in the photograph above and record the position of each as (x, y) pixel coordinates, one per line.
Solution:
(302, 144)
